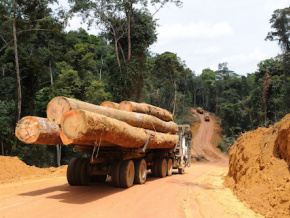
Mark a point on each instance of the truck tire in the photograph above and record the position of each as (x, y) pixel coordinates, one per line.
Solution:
(154, 168)
(127, 173)
(116, 174)
(140, 171)
(169, 167)
(70, 173)
(81, 177)
(162, 167)
(98, 178)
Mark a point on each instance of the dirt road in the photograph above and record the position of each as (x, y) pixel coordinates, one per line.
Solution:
(197, 193)
(201, 143)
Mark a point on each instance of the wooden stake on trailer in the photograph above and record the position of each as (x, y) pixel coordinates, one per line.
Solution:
(84, 125)
(60, 105)
(146, 109)
(37, 130)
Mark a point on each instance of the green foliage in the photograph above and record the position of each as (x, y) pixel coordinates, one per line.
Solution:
(225, 144)
(95, 93)
(7, 120)
(36, 155)
(168, 84)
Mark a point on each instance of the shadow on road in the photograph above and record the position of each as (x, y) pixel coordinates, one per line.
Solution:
(81, 194)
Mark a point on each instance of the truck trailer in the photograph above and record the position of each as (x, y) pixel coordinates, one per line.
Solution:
(127, 166)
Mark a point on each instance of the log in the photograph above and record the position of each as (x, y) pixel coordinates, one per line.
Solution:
(37, 130)
(85, 125)
(66, 141)
(60, 105)
(110, 104)
(146, 109)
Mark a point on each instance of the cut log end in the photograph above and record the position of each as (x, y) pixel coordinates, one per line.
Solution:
(65, 140)
(126, 106)
(73, 124)
(110, 104)
(27, 130)
(56, 108)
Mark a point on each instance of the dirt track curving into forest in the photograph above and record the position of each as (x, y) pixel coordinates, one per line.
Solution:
(202, 144)
(197, 193)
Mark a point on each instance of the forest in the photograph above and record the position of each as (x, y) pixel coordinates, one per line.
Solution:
(40, 60)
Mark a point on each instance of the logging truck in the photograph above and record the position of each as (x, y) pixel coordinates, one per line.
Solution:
(122, 141)
(199, 110)
(126, 166)
(206, 117)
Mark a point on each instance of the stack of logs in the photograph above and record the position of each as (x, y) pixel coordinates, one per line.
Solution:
(73, 122)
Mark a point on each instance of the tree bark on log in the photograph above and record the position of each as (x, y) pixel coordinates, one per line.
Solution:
(110, 104)
(60, 105)
(146, 109)
(66, 141)
(84, 125)
(37, 130)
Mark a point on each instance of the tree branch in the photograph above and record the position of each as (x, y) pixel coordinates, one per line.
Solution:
(46, 30)
(6, 45)
(161, 6)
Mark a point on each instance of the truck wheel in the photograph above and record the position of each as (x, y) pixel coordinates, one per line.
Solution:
(140, 171)
(169, 167)
(162, 167)
(81, 177)
(70, 173)
(98, 178)
(116, 174)
(181, 170)
(127, 173)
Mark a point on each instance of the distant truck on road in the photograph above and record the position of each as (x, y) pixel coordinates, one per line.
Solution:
(199, 110)
(206, 117)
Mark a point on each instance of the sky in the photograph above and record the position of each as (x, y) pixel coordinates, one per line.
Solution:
(204, 33)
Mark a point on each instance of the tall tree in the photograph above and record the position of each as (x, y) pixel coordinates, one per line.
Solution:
(16, 60)
(26, 15)
(110, 15)
(281, 23)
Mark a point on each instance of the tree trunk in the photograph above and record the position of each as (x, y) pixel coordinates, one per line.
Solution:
(16, 61)
(194, 97)
(110, 104)
(175, 99)
(2, 146)
(51, 76)
(117, 54)
(129, 37)
(102, 61)
(37, 130)
(128, 12)
(146, 109)
(266, 86)
(216, 101)
(122, 52)
(60, 105)
(84, 125)
(58, 154)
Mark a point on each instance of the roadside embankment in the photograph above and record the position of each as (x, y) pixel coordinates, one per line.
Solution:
(259, 171)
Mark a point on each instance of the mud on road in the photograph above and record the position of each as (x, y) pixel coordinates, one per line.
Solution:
(197, 193)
